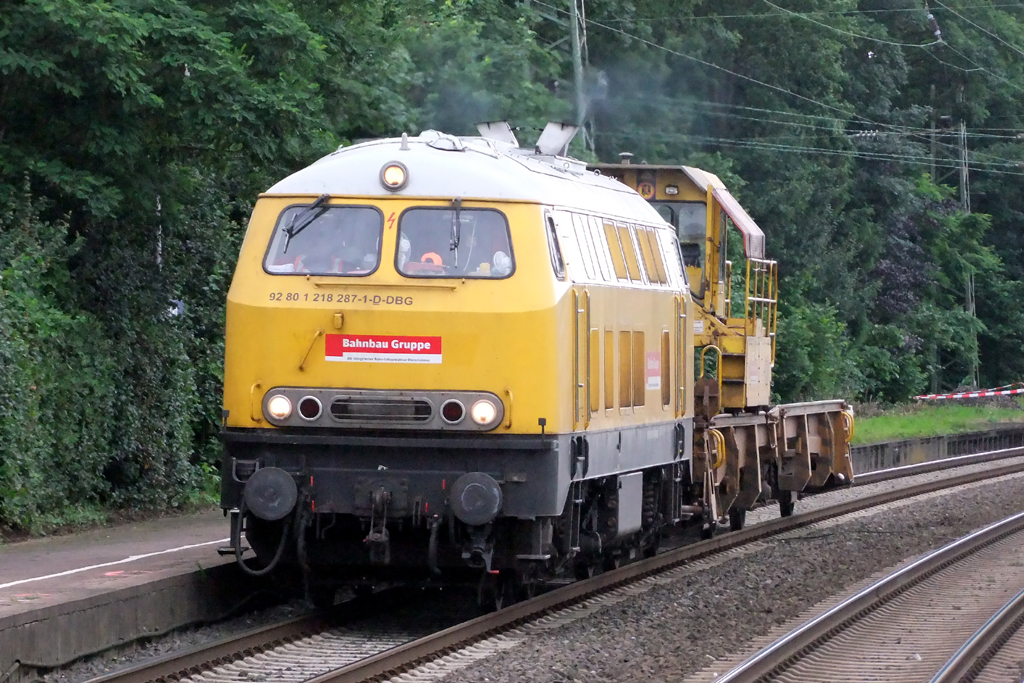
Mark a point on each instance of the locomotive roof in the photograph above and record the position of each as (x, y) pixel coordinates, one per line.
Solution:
(446, 166)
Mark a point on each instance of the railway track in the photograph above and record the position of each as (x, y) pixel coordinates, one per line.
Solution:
(993, 652)
(304, 646)
(946, 612)
(314, 649)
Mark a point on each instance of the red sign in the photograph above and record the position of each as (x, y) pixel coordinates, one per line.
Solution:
(652, 370)
(380, 348)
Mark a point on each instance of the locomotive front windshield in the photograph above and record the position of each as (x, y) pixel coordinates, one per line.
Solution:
(456, 242)
(326, 240)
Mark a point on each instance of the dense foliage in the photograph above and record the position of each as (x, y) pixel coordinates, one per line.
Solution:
(134, 135)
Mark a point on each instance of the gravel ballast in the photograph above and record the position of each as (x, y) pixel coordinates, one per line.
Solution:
(674, 630)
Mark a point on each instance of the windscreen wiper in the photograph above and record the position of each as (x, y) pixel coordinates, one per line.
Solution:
(453, 244)
(301, 219)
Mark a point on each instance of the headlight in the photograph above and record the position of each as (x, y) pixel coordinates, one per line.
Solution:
(452, 411)
(310, 408)
(394, 176)
(483, 412)
(279, 407)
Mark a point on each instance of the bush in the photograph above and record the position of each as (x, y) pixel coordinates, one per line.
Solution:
(93, 414)
(57, 373)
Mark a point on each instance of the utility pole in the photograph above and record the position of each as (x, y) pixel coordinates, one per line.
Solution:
(935, 178)
(577, 64)
(965, 180)
(965, 202)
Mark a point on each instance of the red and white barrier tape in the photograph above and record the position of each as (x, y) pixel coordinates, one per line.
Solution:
(998, 391)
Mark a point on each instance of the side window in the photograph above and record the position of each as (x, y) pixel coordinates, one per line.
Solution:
(651, 254)
(674, 264)
(648, 257)
(557, 263)
(609, 369)
(639, 369)
(666, 367)
(659, 263)
(613, 245)
(625, 369)
(604, 259)
(627, 248)
(579, 224)
(573, 251)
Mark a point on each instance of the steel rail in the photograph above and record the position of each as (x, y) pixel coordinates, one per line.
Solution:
(769, 659)
(404, 657)
(978, 650)
(876, 476)
(224, 651)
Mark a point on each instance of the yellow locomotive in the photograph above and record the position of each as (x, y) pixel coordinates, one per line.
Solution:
(453, 357)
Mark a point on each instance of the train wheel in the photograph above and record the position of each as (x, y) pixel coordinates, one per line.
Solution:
(524, 586)
(787, 501)
(651, 549)
(490, 593)
(611, 562)
(708, 530)
(321, 597)
(583, 569)
(737, 518)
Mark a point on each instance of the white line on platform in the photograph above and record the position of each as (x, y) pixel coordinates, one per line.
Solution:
(133, 558)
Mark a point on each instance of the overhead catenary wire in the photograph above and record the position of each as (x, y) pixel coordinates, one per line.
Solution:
(980, 28)
(953, 66)
(824, 117)
(976, 155)
(851, 115)
(718, 67)
(798, 149)
(902, 130)
(849, 33)
(918, 132)
(981, 68)
(764, 15)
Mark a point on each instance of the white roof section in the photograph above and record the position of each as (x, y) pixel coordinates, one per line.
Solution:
(472, 168)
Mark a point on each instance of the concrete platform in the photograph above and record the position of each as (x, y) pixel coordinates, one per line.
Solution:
(65, 597)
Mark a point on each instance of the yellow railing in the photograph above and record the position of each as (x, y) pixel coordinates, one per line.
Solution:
(718, 366)
(718, 448)
(848, 419)
(762, 296)
(728, 289)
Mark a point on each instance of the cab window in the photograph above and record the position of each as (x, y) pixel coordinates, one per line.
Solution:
(690, 221)
(326, 240)
(454, 242)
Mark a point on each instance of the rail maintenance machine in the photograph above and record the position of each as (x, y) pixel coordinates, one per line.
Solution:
(749, 445)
